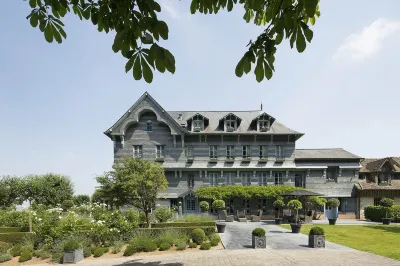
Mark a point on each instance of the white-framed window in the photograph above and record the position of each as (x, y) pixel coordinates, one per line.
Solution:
(279, 151)
(229, 178)
(149, 126)
(159, 151)
(213, 179)
(191, 181)
(189, 152)
(263, 176)
(230, 151)
(197, 123)
(230, 123)
(213, 151)
(263, 151)
(263, 123)
(246, 178)
(246, 151)
(278, 178)
(137, 151)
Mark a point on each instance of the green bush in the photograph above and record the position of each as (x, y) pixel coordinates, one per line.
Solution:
(25, 256)
(87, 252)
(164, 246)
(4, 247)
(130, 250)
(11, 229)
(182, 230)
(278, 203)
(165, 238)
(204, 206)
(117, 247)
(214, 239)
(295, 205)
(218, 205)
(100, 251)
(386, 202)
(198, 236)
(205, 246)
(376, 213)
(316, 230)
(71, 245)
(163, 213)
(332, 203)
(183, 224)
(16, 237)
(5, 257)
(180, 245)
(195, 218)
(149, 245)
(15, 250)
(143, 243)
(14, 218)
(43, 254)
(258, 232)
(67, 204)
(192, 245)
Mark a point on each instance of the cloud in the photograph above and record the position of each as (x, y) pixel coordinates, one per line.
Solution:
(362, 45)
(170, 10)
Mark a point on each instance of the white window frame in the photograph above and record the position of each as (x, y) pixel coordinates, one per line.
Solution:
(160, 151)
(149, 126)
(246, 178)
(246, 151)
(279, 151)
(229, 178)
(213, 151)
(263, 178)
(231, 121)
(263, 151)
(278, 178)
(189, 152)
(137, 151)
(230, 151)
(213, 179)
(198, 121)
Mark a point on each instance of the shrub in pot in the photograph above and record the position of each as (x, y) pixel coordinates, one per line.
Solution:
(279, 204)
(332, 203)
(73, 251)
(316, 237)
(387, 204)
(296, 206)
(258, 239)
(219, 205)
(204, 206)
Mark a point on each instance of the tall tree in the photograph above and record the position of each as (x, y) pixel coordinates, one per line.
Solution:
(134, 182)
(81, 199)
(138, 30)
(11, 191)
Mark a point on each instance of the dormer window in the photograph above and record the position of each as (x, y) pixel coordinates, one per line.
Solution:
(149, 126)
(231, 123)
(263, 123)
(197, 123)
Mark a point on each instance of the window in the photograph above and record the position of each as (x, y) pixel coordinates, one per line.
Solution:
(213, 152)
(190, 205)
(263, 179)
(137, 151)
(246, 151)
(377, 201)
(229, 178)
(159, 151)
(278, 179)
(174, 202)
(298, 180)
(263, 123)
(332, 173)
(213, 179)
(383, 178)
(149, 126)
(230, 152)
(246, 178)
(230, 123)
(189, 152)
(279, 152)
(263, 151)
(191, 181)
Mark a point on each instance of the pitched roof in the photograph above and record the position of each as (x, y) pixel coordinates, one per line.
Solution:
(364, 185)
(337, 153)
(374, 164)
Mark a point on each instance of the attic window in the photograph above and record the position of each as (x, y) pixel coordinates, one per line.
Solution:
(230, 123)
(149, 126)
(263, 123)
(198, 123)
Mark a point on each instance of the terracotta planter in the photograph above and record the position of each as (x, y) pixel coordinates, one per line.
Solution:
(295, 228)
(332, 221)
(221, 227)
(386, 221)
(278, 220)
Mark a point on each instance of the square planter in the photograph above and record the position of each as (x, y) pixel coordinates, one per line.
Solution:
(73, 257)
(258, 242)
(386, 221)
(316, 241)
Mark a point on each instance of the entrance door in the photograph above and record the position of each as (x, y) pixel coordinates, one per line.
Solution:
(298, 180)
(190, 203)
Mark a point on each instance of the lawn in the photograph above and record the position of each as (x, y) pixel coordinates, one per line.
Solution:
(378, 239)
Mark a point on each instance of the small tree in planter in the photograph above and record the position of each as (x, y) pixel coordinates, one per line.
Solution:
(387, 204)
(258, 238)
(73, 252)
(204, 206)
(219, 205)
(317, 202)
(333, 204)
(296, 206)
(316, 237)
(279, 204)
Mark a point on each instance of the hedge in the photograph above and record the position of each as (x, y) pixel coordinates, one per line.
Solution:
(11, 229)
(15, 237)
(182, 224)
(186, 230)
(376, 213)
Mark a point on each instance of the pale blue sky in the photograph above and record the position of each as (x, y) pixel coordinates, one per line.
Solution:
(56, 100)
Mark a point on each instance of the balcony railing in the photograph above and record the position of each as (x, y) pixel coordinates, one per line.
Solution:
(263, 159)
(230, 129)
(196, 129)
(230, 159)
(246, 158)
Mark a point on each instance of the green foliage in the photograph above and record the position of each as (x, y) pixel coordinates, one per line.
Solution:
(279, 203)
(182, 230)
(332, 203)
(316, 230)
(258, 232)
(180, 245)
(15, 250)
(81, 200)
(144, 243)
(11, 191)
(149, 246)
(214, 239)
(295, 205)
(71, 245)
(182, 224)
(15, 238)
(117, 247)
(386, 202)
(198, 236)
(5, 257)
(195, 218)
(376, 213)
(132, 217)
(87, 252)
(130, 250)
(317, 201)
(167, 237)
(11, 229)
(4, 247)
(25, 256)
(192, 245)
(218, 205)
(43, 254)
(135, 182)
(100, 251)
(246, 192)
(204, 206)
(205, 246)
(163, 214)
(14, 219)
(164, 246)
(67, 204)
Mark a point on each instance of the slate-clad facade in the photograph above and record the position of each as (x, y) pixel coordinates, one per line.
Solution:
(210, 148)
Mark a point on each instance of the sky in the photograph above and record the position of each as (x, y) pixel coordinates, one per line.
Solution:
(56, 100)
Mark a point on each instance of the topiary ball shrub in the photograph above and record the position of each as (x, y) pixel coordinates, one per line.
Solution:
(214, 239)
(386, 202)
(5, 257)
(100, 251)
(164, 246)
(332, 203)
(198, 236)
(149, 246)
(258, 232)
(130, 250)
(205, 246)
(180, 245)
(71, 246)
(166, 238)
(25, 256)
(218, 205)
(4, 247)
(204, 206)
(317, 231)
(192, 245)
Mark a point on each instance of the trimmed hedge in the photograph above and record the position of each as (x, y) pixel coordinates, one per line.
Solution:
(11, 229)
(186, 230)
(376, 213)
(182, 224)
(15, 237)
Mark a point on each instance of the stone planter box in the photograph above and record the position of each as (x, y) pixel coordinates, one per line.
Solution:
(386, 221)
(258, 242)
(295, 228)
(73, 257)
(316, 241)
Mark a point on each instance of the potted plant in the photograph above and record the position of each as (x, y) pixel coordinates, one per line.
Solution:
(204, 206)
(73, 251)
(219, 205)
(386, 203)
(258, 239)
(316, 237)
(278, 204)
(296, 206)
(333, 204)
(316, 203)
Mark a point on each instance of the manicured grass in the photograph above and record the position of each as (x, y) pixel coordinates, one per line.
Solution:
(382, 240)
